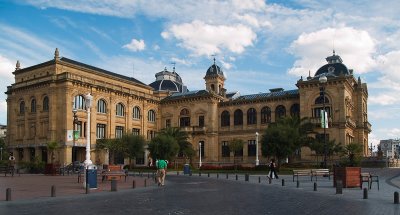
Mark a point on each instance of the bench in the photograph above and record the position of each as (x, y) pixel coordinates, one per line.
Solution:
(369, 178)
(114, 172)
(320, 172)
(7, 169)
(301, 172)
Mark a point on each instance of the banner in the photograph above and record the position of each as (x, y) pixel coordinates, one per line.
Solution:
(76, 133)
(324, 119)
(70, 136)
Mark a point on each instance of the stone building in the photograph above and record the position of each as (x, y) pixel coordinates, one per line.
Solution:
(43, 97)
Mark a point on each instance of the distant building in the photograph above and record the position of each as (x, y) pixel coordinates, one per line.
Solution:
(390, 148)
(41, 101)
(3, 131)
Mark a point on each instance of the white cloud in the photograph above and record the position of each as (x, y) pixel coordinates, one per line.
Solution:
(135, 45)
(205, 39)
(356, 48)
(180, 61)
(6, 69)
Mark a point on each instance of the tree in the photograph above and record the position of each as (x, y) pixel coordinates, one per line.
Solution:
(181, 137)
(235, 146)
(115, 146)
(134, 145)
(52, 147)
(353, 153)
(163, 147)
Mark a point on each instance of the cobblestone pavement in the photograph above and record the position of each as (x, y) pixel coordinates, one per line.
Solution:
(217, 195)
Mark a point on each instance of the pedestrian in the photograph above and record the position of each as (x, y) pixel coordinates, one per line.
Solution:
(272, 169)
(161, 171)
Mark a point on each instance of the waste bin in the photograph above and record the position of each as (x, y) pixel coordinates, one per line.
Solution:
(91, 178)
(186, 169)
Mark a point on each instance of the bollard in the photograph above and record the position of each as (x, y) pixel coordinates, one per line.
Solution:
(283, 182)
(8, 194)
(148, 175)
(87, 188)
(315, 186)
(259, 179)
(177, 172)
(199, 173)
(217, 175)
(236, 177)
(133, 184)
(113, 185)
(208, 175)
(365, 193)
(145, 182)
(227, 175)
(298, 184)
(246, 177)
(339, 187)
(396, 197)
(190, 173)
(53, 191)
(270, 180)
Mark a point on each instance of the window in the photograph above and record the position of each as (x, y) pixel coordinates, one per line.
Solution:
(225, 149)
(201, 149)
(184, 119)
(33, 106)
(119, 131)
(120, 110)
(79, 102)
(319, 106)
(295, 110)
(46, 103)
(225, 118)
(79, 128)
(22, 107)
(280, 112)
(136, 131)
(140, 159)
(150, 134)
(101, 131)
(201, 121)
(238, 117)
(168, 123)
(151, 116)
(251, 116)
(251, 148)
(136, 112)
(101, 106)
(265, 115)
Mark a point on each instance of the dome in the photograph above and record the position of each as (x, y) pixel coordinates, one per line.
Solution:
(214, 70)
(168, 81)
(335, 67)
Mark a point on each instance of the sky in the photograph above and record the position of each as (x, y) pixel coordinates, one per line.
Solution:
(259, 44)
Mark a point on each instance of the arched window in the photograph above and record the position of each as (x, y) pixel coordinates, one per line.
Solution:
(280, 112)
(184, 118)
(46, 103)
(212, 87)
(225, 118)
(136, 112)
(238, 117)
(22, 107)
(151, 116)
(319, 106)
(251, 116)
(79, 102)
(265, 115)
(33, 105)
(120, 110)
(101, 106)
(295, 110)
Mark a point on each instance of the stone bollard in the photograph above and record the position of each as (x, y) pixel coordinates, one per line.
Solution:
(145, 182)
(339, 187)
(298, 184)
(148, 175)
(190, 173)
(270, 180)
(246, 177)
(199, 173)
(283, 182)
(365, 193)
(8, 194)
(113, 185)
(208, 174)
(227, 175)
(217, 175)
(87, 188)
(236, 177)
(396, 197)
(177, 172)
(315, 186)
(133, 184)
(259, 179)
(53, 191)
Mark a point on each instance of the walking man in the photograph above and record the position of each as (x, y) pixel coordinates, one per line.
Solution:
(161, 171)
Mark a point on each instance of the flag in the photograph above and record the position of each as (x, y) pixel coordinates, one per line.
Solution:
(324, 119)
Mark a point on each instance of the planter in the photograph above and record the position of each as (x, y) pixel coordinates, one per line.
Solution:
(350, 176)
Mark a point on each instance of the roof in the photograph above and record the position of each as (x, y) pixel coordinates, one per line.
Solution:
(214, 70)
(167, 85)
(189, 94)
(267, 95)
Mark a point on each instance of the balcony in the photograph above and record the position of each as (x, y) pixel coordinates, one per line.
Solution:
(318, 121)
(367, 126)
(194, 129)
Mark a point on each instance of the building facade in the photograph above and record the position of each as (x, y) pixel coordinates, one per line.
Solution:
(41, 102)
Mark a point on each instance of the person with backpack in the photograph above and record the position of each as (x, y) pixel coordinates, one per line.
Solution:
(161, 171)
(272, 169)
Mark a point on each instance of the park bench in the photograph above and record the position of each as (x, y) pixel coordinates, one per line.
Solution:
(301, 172)
(114, 172)
(320, 172)
(369, 178)
(7, 169)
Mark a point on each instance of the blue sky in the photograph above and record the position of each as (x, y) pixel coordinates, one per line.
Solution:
(259, 44)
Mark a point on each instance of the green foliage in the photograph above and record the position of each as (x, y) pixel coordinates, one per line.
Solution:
(163, 147)
(353, 154)
(52, 147)
(235, 145)
(35, 166)
(134, 145)
(181, 137)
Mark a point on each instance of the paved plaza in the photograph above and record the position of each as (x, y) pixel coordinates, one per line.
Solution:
(196, 194)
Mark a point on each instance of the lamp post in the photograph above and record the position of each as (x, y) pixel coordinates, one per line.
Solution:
(74, 111)
(200, 154)
(88, 101)
(322, 80)
(257, 161)
(371, 148)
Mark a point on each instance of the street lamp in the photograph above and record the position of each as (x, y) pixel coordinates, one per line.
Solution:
(322, 81)
(200, 154)
(88, 100)
(257, 161)
(371, 148)
(74, 111)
